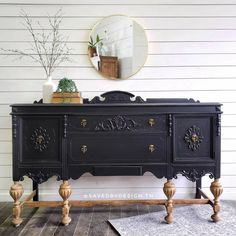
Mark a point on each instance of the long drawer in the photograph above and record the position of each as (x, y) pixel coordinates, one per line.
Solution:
(118, 123)
(139, 148)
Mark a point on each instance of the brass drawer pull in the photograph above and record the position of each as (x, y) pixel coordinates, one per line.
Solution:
(84, 149)
(83, 123)
(151, 148)
(151, 122)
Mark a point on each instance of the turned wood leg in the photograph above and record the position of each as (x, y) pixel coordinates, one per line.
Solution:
(216, 190)
(65, 192)
(16, 192)
(169, 190)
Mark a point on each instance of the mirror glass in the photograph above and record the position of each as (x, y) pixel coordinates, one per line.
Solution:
(118, 47)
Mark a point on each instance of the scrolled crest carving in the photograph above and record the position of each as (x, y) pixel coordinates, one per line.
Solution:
(40, 139)
(116, 97)
(117, 123)
(193, 137)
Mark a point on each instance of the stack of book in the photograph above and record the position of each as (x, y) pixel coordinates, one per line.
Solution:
(67, 98)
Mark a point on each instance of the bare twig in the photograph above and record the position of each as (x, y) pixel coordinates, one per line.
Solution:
(49, 49)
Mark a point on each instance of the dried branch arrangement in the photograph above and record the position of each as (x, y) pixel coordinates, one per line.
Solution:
(49, 47)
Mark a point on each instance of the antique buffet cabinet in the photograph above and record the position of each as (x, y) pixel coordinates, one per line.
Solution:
(116, 134)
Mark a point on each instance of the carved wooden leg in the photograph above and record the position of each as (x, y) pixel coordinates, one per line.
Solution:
(16, 192)
(169, 190)
(65, 192)
(216, 190)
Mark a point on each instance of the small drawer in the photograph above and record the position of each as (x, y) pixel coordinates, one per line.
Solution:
(119, 123)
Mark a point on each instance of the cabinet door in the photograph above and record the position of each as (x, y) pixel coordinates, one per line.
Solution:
(193, 139)
(40, 139)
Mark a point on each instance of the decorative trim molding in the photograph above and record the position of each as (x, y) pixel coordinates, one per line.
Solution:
(65, 126)
(40, 139)
(218, 124)
(193, 175)
(170, 124)
(117, 123)
(41, 177)
(193, 137)
(14, 126)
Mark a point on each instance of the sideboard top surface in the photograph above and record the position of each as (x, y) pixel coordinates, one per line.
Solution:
(122, 101)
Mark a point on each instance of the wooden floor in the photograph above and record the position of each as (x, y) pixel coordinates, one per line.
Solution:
(44, 221)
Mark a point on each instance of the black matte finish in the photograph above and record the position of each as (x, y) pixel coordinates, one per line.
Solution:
(113, 136)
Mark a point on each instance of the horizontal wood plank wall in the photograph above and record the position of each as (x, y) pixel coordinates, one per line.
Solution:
(192, 53)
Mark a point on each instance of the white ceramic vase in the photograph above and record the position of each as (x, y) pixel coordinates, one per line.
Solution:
(48, 88)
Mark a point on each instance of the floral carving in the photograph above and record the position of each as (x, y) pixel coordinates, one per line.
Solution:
(193, 175)
(117, 123)
(41, 177)
(40, 139)
(193, 137)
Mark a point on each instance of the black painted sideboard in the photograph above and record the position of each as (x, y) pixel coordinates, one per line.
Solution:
(116, 134)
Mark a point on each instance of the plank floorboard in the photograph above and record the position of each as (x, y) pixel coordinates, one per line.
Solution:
(69, 230)
(7, 229)
(84, 221)
(5, 212)
(99, 224)
(142, 209)
(127, 211)
(115, 213)
(37, 222)
(52, 223)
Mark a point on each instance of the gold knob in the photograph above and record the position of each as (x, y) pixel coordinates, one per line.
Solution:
(151, 122)
(151, 148)
(195, 138)
(84, 148)
(83, 123)
(39, 139)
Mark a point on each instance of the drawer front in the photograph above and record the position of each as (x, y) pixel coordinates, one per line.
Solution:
(193, 139)
(116, 148)
(120, 123)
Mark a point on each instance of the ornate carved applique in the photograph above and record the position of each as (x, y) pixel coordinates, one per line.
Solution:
(41, 177)
(193, 175)
(193, 137)
(40, 139)
(117, 123)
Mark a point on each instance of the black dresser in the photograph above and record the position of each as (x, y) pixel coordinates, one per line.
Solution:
(116, 134)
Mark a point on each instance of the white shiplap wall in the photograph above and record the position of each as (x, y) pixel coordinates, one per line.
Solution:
(192, 53)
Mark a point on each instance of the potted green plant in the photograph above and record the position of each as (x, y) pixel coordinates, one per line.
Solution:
(66, 92)
(92, 45)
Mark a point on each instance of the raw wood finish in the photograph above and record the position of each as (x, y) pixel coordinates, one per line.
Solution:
(65, 192)
(28, 198)
(204, 195)
(169, 190)
(16, 192)
(216, 190)
(75, 203)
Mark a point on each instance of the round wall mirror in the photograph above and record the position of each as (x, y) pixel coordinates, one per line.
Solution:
(118, 47)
